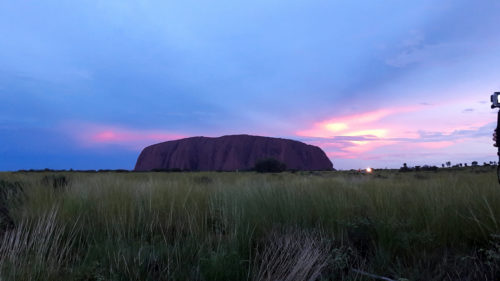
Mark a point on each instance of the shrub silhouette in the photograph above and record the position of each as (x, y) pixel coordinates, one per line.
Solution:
(430, 168)
(404, 168)
(269, 165)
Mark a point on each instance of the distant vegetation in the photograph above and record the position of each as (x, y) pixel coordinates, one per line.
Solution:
(419, 225)
(448, 164)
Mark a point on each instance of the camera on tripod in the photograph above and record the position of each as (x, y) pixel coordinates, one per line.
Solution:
(495, 102)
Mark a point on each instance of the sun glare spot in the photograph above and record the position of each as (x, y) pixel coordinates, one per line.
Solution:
(336, 127)
(369, 170)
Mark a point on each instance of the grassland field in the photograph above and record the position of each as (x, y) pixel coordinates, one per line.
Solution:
(209, 226)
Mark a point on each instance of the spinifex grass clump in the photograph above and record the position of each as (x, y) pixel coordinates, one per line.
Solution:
(249, 226)
(291, 254)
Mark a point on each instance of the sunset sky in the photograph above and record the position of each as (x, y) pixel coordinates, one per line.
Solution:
(88, 84)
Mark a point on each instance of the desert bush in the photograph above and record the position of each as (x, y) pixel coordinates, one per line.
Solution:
(269, 165)
(11, 195)
(55, 181)
(11, 192)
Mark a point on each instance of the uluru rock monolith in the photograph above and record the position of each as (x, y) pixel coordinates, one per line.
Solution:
(230, 153)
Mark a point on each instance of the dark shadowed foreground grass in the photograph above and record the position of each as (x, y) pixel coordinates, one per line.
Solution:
(246, 226)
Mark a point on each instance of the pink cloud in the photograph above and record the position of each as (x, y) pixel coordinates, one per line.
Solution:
(120, 135)
(88, 134)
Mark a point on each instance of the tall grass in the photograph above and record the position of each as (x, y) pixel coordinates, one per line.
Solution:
(36, 249)
(246, 226)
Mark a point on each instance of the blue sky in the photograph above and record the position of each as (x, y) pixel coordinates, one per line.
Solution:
(374, 83)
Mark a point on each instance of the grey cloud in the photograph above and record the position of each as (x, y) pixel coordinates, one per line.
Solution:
(430, 53)
(355, 138)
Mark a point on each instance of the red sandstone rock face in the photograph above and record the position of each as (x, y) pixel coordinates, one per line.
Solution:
(229, 153)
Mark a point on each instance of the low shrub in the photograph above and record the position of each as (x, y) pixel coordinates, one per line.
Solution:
(270, 165)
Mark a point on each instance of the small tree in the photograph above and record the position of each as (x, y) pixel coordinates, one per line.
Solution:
(269, 165)
(448, 164)
(404, 168)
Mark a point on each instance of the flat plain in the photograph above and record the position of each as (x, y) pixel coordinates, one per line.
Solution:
(341, 225)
